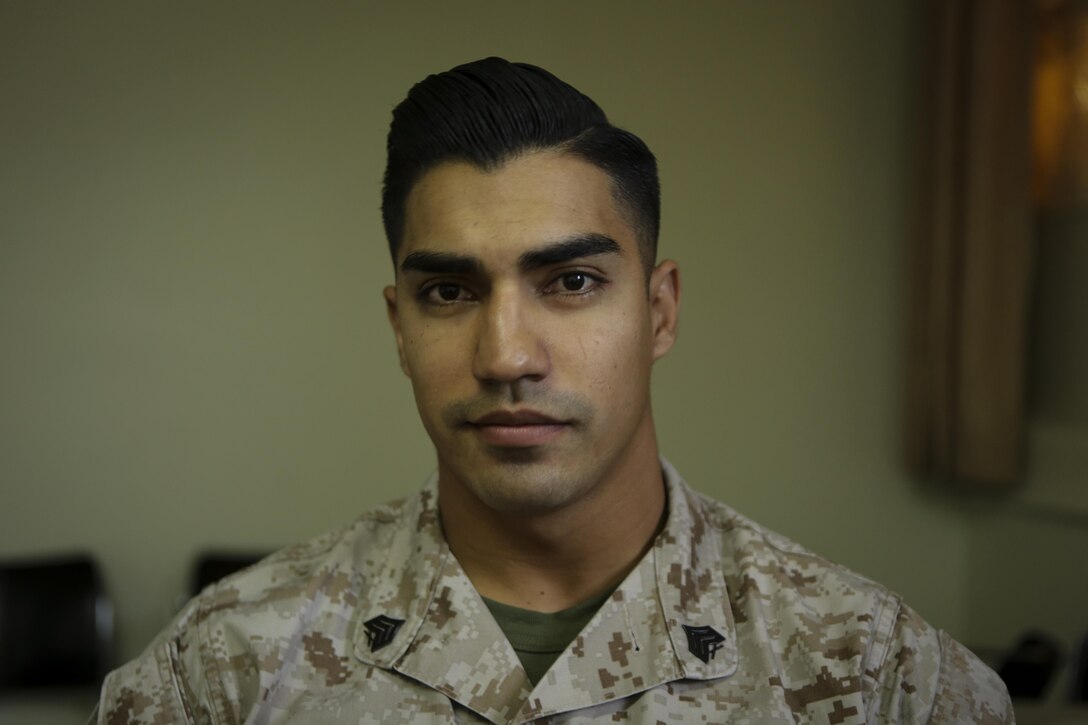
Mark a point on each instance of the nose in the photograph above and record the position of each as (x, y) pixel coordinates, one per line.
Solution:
(509, 343)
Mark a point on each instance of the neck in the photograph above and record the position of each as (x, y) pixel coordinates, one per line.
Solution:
(552, 560)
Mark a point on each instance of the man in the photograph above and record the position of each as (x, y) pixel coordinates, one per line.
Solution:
(555, 569)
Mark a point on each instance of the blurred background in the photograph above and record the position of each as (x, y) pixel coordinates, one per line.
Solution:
(194, 353)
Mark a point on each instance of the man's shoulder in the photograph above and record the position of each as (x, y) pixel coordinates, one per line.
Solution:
(376, 526)
(327, 568)
(756, 554)
(303, 598)
(815, 615)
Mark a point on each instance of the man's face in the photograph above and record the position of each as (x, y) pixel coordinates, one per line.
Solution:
(523, 320)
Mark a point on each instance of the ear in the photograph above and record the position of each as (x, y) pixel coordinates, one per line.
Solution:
(664, 306)
(390, 294)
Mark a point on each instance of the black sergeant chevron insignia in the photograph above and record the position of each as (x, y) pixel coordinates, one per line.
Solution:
(703, 642)
(381, 630)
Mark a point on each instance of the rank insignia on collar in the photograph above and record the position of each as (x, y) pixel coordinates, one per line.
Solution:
(381, 630)
(703, 642)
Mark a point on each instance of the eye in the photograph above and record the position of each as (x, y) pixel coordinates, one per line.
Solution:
(444, 293)
(574, 284)
(448, 292)
(574, 281)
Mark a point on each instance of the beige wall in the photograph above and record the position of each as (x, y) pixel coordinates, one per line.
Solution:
(193, 349)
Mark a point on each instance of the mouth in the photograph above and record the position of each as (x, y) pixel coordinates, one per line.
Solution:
(517, 428)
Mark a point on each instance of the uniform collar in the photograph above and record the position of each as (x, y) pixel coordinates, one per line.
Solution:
(691, 584)
(670, 619)
(443, 634)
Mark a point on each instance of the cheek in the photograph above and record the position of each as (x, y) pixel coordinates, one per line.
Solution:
(433, 361)
(615, 352)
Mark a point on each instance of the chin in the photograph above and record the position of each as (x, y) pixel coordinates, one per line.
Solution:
(519, 487)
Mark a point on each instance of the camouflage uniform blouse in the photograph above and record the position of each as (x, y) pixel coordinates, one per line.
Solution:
(721, 622)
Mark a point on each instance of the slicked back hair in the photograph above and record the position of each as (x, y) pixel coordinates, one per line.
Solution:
(491, 111)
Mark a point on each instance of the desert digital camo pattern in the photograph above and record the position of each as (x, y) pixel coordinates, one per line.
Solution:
(801, 639)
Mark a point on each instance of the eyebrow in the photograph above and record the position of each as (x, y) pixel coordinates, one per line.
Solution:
(564, 250)
(441, 263)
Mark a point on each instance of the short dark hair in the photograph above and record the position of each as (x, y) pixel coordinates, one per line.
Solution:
(490, 111)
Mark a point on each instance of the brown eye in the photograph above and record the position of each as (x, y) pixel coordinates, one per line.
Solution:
(574, 281)
(574, 287)
(448, 292)
(442, 294)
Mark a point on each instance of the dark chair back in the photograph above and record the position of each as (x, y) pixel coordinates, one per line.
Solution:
(56, 623)
(1030, 667)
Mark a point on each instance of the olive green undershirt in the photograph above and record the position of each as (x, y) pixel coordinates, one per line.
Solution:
(539, 638)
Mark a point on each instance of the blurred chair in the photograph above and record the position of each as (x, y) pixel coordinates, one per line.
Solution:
(211, 566)
(1030, 667)
(56, 624)
(1078, 679)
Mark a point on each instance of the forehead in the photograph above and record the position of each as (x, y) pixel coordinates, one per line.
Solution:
(497, 214)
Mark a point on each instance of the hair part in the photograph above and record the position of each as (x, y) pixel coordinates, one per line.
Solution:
(491, 111)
